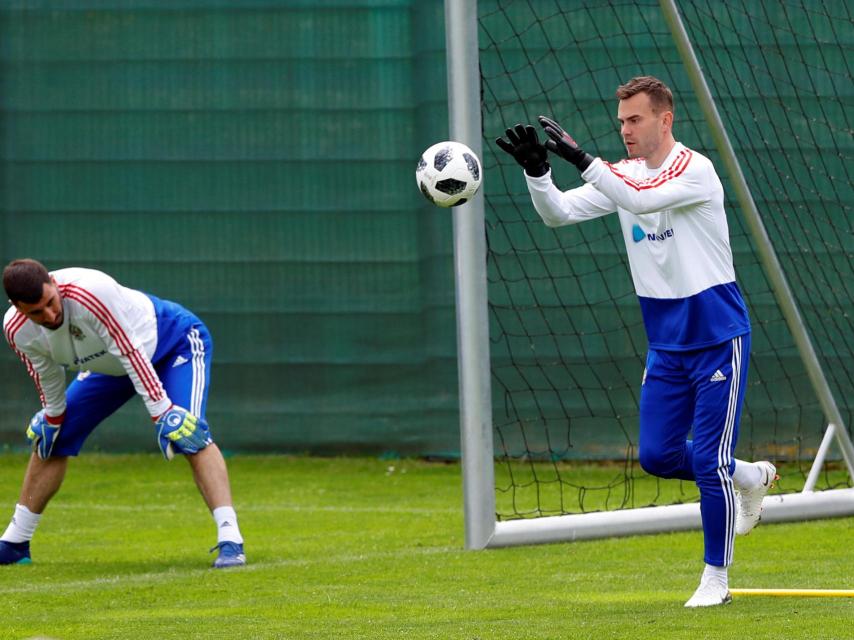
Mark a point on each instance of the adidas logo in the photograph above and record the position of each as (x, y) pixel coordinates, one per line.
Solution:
(225, 524)
(179, 361)
(718, 377)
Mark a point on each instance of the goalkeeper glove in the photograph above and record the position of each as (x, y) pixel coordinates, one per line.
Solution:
(523, 145)
(561, 143)
(42, 434)
(181, 431)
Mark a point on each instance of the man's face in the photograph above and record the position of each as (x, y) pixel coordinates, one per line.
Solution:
(47, 312)
(642, 129)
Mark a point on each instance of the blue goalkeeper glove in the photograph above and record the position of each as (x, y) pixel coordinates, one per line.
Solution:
(42, 434)
(181, 431)
(562, 144)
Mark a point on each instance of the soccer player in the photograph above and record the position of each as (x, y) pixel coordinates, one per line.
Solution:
(670, 204)
(123, 342)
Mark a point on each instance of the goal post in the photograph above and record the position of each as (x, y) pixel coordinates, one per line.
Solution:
(470, 278)
(531, 386)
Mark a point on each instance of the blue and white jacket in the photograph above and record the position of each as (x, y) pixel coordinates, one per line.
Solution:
(677, 240)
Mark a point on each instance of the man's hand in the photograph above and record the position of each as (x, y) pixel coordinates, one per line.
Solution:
(42, 434)
(522, 143)
(561, 143)
(181, 431)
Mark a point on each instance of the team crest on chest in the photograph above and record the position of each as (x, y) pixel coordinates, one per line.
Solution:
(75, 331)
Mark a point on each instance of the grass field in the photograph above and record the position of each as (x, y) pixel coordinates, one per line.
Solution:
(366, 548)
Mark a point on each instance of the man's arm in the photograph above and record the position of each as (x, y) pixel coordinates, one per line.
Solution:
(682, 183)
(555, 207)
(558, 208)
(48, 376)
(102, 301)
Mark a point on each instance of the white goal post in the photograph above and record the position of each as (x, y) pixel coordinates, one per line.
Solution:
(482, 529)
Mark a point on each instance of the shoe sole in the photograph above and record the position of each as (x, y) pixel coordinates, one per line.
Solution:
(241, 562)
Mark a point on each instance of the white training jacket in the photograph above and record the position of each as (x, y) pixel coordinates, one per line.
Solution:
(676, 235)
(107, 328)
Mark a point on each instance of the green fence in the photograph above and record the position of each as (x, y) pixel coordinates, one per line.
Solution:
(254, 161)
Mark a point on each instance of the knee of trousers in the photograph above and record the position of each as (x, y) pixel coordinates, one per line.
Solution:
(709, 473)
(664, 464)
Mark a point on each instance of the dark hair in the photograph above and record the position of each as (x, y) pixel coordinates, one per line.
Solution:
(660, 96)
(24, 280)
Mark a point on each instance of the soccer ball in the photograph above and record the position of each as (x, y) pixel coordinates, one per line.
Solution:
(448, 174)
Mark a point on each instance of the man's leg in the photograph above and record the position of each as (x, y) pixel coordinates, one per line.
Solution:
(666, 412)
(89, 399)
(211, 476)
(41, 481)
(185, 373)
(720, 376)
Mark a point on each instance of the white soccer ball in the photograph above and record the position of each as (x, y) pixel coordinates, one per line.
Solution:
(448, 174)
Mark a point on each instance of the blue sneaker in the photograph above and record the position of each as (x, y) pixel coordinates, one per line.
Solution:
(15, 552)
(230, 555)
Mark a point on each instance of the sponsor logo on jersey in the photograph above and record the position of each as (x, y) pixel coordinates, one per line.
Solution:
(667, 233)
(717, 377)
(79, 361)
(638, 234)
(75, 331)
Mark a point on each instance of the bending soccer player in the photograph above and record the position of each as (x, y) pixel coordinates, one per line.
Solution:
(123, 342)
(670, 204)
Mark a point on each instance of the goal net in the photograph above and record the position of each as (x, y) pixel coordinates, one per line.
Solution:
(566, 340)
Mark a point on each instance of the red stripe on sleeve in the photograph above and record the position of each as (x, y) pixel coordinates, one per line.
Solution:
(676, 169)
(141, 365)
(34, 375)
(11, 331)
(12, 328)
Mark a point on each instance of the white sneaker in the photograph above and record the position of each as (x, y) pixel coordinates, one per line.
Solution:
(750, 500)
(710, 593)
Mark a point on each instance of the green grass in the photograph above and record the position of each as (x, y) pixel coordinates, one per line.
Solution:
(366, 548)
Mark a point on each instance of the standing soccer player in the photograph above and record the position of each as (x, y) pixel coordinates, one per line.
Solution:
(670, 203)
(123, 342)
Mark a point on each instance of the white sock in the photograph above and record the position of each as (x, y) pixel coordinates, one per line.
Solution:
(226, 525)
(23, 525)
(747, 475)
(718, 574)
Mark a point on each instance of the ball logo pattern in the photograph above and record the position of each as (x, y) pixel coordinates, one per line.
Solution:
(448, 174)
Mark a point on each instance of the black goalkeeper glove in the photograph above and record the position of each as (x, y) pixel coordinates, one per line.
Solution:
(526, 149)
(561, 143)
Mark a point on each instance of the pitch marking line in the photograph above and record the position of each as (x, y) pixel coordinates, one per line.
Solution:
(176, 508)
(177, 574)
